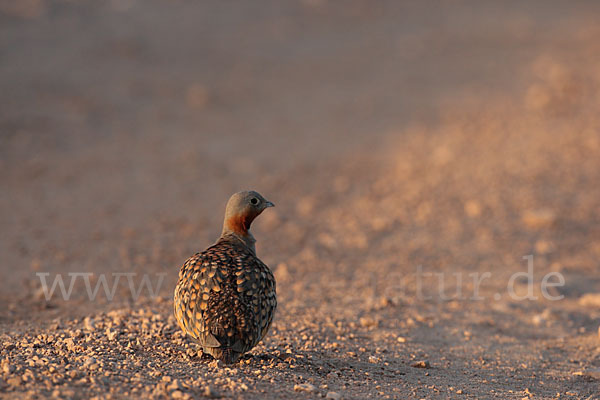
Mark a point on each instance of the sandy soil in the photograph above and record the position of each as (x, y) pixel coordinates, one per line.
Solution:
(416, 153)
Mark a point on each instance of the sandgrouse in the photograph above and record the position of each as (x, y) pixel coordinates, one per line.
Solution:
(225, 297)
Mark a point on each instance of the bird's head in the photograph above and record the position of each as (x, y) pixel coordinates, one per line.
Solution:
(242, 208)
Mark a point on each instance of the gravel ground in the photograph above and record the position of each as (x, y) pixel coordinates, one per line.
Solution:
(416, 155)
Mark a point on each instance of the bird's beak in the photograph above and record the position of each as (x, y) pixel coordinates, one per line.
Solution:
(269, 204)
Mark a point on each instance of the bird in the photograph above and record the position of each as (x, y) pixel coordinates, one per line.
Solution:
(225, 298)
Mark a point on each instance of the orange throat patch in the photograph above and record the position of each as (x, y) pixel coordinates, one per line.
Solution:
(239, 224)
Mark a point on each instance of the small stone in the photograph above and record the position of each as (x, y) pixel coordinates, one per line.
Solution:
(333, 395)
(90, 363)
(111, 334)
(14, 381)
(541, 218)
(374, 360)
(367, 322)
(472, 208)
(70, 344)
(538, 320)
(401, 339)
(7, 368)
(177, 394)
(590, 300)
(305, 387)
(88, 323)
(159, 390)
(175, 385)
(210, 392)
(543, 247)
(8, 345)
(421, 364)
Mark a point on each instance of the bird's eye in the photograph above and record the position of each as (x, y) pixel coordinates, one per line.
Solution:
(254, 201)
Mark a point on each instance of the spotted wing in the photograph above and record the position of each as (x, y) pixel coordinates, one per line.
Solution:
(225, 297)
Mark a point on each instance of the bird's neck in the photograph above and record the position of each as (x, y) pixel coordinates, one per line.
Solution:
(238, 226)
(247, 240)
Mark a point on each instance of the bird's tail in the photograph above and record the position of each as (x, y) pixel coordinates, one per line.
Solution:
(225, 355)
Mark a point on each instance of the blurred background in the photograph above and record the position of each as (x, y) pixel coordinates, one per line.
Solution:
(456, 135)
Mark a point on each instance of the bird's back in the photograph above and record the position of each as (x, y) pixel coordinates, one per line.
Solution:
(225, 299)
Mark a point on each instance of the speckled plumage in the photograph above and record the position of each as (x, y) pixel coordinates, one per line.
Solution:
(225, 298)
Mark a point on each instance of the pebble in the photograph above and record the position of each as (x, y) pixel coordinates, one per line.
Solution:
(8, 346)
(472, 208)
(367, 322)
(88, 323)
(590, 300)
(540, 218)
(333, 395)
(70, 344)
(89, 360)
(210, 392)
(175, 385)
(7, 368)
(538, 320)
(91, 363)
(111, 334)
(305, 387)
(14, 381)
(421, 364)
